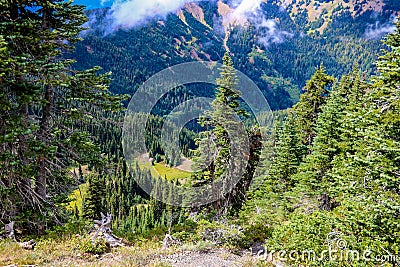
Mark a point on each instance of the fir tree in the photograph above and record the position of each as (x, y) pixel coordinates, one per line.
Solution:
(44, 103)
(369, 176)
(287, 158)
(94, 198)
(332, 135)
(226, 139)
(309, 106)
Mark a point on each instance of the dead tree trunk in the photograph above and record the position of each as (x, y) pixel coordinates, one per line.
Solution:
(103, 229)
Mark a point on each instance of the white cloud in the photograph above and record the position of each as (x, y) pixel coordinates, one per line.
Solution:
(243, 12)
(134, 12)
(377, 30)
(267, 29)
(246, 8)
(131, 13)
(270, 33)
(102, 2)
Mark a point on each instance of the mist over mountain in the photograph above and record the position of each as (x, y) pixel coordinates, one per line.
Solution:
(276, 43)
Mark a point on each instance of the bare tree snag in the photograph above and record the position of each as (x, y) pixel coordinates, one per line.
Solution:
(102, 229)
(9, 230)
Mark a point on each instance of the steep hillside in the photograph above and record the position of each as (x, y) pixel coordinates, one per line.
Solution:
(319, 14)
(278, 52)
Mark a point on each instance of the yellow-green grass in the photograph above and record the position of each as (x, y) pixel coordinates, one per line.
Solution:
(172, 174)
(76, 198)
(160, 169)
(66, 251)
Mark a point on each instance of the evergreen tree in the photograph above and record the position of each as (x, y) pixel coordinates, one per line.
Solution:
(273, 194)
(44, 103)
(225, 140)
(215, 145)
(225, 108)
(332, 135)
(309, 106)
(373, 166)
(348, 184)
(94, 198)
(287, 158)
(386, 109)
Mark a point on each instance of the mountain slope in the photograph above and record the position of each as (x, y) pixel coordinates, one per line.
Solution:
(318, 14)
(279, 54)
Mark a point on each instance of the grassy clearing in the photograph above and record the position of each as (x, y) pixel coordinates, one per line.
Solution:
(66, 252)
(76, 198)
(159, 169)
(172, 174)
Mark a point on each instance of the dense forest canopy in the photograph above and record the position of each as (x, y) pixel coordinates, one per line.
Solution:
(279, 56)
(325, 176)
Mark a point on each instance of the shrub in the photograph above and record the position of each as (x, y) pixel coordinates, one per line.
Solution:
(200, 246)
(220, 233)
(99, 246)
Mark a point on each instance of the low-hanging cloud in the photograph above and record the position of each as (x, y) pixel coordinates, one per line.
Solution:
(243, 12)
(131, 13)
(128, 14)
(246, 8)
(378, 30)
(267, 29)
(271, 34)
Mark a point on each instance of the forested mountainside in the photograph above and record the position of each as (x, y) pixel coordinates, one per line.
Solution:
(316, 15)
(318, 185)
(279, 56)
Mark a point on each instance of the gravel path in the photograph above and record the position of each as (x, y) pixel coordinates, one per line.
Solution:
(214, 258)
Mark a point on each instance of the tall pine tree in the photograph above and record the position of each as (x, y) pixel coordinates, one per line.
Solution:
(309, 106)
(226, 139)
(44, 104)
